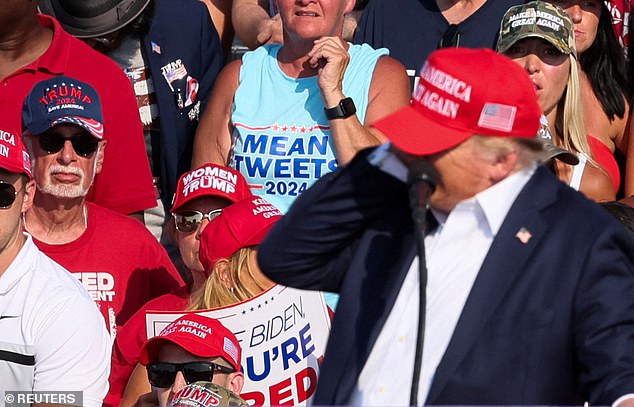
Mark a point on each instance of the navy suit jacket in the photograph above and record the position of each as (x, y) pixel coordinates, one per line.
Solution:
(549, 321)
(181, 30)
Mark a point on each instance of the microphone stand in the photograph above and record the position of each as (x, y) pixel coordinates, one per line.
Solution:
(422, 179)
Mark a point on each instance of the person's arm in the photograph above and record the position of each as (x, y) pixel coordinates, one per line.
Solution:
(212, 143)
(312, 245)
(389, 91)
(253, 25)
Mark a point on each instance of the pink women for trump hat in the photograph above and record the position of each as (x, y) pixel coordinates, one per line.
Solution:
(463, 92)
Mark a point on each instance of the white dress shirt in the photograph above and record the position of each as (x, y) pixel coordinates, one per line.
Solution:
(455, 252)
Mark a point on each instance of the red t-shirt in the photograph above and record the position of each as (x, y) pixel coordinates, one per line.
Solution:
(125, 182)
(131, 337)
(119, 262)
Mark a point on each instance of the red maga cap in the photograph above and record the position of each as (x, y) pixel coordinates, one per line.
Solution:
(463, 92)
(199, 335)
(210, 180)
(13, 154)
(239, 225)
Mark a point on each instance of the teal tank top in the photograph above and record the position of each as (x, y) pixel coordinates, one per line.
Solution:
(281, 139)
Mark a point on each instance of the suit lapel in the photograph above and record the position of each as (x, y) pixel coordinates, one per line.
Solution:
(511, 249)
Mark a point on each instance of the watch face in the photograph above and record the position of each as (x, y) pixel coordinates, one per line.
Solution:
(344, 109)
(348, 107)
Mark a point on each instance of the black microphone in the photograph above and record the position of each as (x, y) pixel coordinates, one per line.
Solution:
(422, 179)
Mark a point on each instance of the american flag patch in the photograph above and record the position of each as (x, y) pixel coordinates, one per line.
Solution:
(156, 48)
(231, 350)
(523, 235)
(497, 117)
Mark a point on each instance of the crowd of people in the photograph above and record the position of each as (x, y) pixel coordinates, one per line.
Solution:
(436, 197)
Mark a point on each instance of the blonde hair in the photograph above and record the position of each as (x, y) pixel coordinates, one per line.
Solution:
(215, 293)
(569, 124)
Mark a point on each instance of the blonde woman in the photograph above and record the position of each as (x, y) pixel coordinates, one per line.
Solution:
(545, 48)
(228, 250)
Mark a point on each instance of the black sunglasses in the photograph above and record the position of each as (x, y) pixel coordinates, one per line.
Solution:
(84, 143)
(7, 194)
(189, 221)
(451, 37)
(163, 374)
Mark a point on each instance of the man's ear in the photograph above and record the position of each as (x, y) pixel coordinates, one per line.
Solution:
(100, 156)
(504, 165)
(29, 194)
(349, 6)
(236, 382)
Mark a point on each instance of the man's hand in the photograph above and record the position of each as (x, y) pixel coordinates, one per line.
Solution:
(330, 56)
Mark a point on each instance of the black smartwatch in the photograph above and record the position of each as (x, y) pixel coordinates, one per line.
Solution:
(345, 108)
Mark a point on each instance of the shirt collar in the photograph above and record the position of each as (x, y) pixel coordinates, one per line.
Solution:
(19, 267)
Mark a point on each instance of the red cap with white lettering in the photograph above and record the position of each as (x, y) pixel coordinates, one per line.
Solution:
(463, 92)
(242, 224)
(199, 335)
(210, 180)
(13, 155)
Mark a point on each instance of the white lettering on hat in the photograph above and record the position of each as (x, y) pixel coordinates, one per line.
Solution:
(7, 137)
(538, 17)
(210, 178)
(548, 16)
(4, 150)
(446, 107)
(193, 331)
(445, 82)
(547, 23)
(530, 13)
(523, 21)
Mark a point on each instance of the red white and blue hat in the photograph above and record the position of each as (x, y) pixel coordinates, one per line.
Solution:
(61, 99)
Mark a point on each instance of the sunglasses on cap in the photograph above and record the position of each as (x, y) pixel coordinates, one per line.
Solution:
(189, 221)
(451, 37)
(83, 143)
(7, 194)
(163, 374)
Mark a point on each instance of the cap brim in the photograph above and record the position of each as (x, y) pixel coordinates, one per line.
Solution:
(91, 126)
(150, 350)
(414, 133)
(561, 154)
(561, 47)
(90, 27)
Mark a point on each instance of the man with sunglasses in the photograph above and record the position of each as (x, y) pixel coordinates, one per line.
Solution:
(34, 47)
(191, 349)
(118, 261)
(52, 337)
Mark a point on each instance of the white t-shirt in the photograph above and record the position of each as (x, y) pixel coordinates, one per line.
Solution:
(52, 336)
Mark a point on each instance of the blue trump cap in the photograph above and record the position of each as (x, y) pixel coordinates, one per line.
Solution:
(61, 99)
